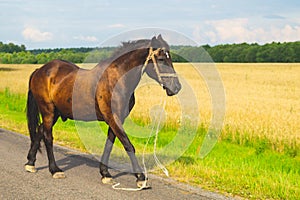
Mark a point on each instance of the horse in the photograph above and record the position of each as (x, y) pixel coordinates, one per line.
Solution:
(104, 93)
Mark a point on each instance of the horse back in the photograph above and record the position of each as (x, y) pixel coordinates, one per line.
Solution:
(53, 77)
(52, 72)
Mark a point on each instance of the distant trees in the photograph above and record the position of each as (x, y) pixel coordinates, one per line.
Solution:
(10, 48)
(272, 52)
(189, 54)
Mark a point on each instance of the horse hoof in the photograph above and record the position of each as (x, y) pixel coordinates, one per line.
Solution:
(143, 184)
(107, 180)
(30, 168)
(59, 175)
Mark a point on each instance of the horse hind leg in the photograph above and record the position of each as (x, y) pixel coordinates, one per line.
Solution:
(35, 132)
(34, 147)
(48, 122)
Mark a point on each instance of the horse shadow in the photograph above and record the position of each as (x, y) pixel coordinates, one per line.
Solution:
(71, 161)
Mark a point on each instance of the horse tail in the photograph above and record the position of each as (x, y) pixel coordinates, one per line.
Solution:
(33, 116)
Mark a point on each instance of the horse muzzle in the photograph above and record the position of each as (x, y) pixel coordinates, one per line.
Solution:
(174, 90)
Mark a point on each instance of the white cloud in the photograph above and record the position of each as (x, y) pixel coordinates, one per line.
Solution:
(86, 38)
(116, 26)
(227, 30)
(287, 33)
(239, 30)
(202, 35)
(36, 35)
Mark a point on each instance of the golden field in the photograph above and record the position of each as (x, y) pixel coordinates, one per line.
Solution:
(262, 100)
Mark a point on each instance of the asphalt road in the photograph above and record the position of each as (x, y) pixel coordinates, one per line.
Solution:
(83, 178)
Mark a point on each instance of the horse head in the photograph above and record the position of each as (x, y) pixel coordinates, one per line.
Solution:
(159, 66)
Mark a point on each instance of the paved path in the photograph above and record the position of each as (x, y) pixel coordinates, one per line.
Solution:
(83, 178)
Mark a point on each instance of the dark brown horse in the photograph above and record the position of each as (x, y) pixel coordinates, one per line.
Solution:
(104, 93)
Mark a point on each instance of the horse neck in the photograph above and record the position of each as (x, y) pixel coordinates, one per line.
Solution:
(133, 60)
(128, 66)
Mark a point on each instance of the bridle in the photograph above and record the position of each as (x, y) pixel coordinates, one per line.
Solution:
(151, 56)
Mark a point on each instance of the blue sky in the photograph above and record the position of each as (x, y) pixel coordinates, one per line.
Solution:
(75, 23)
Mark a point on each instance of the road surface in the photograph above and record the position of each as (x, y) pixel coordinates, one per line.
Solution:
(83, 178)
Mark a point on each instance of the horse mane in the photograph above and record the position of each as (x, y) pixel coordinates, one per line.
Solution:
(131, 46)
(125, 48)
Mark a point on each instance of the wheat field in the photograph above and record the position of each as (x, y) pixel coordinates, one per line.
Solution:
(262, 100)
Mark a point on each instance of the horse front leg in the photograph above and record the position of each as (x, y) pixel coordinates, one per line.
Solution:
(106, 176)
(117, 128)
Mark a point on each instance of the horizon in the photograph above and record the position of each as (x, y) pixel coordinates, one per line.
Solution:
(175, 45)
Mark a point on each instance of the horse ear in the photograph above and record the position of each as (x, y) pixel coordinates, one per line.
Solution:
(154, 42)
(160, 37)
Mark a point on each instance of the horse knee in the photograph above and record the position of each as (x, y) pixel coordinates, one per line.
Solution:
(47, 134)
(129, 148)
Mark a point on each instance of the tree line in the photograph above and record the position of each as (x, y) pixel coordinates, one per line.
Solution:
(250, 53)
(11, 47)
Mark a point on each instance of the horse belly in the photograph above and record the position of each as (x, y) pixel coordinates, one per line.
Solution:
(86, 112)
(79, 109)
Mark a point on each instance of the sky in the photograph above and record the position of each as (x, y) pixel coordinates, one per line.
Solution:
(88, 23)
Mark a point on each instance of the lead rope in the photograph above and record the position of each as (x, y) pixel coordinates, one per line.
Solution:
(159, 164)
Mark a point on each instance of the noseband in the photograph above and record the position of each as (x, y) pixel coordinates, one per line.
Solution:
(151, 56)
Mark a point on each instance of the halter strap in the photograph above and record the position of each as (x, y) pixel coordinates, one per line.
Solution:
(151, 56)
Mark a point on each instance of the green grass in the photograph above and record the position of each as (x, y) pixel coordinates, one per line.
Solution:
(250, 170)
(239, 170)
